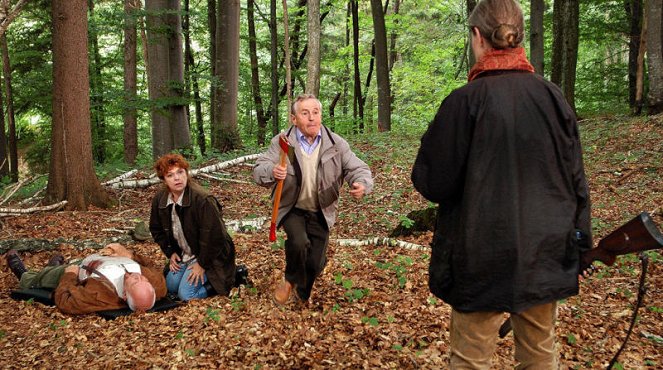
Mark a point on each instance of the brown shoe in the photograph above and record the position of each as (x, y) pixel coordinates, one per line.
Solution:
(282, 293)
(56, 260)
(15, 264)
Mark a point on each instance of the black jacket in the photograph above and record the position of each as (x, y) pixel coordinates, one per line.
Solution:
(204, 230)
(503, 160)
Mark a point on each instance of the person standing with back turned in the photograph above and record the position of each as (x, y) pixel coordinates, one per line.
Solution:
(503, 159)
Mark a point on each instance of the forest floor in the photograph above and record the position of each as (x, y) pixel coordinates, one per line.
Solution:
(371, 308)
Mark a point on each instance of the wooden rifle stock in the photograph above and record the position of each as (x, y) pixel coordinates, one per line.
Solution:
(638, 235)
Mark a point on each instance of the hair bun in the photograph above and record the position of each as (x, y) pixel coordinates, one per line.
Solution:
(506, 36)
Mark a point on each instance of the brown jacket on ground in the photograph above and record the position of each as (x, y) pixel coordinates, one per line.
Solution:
(92, 295)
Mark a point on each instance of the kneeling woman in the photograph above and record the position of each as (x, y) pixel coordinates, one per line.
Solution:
(186, 221)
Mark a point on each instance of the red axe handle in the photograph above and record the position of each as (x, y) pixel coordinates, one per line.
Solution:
(285, 146)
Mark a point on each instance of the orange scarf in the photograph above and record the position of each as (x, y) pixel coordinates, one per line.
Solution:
(501, 59)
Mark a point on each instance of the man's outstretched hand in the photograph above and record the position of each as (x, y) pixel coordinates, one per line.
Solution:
(357, 190)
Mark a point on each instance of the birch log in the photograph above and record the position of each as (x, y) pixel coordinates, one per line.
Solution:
(377, 241)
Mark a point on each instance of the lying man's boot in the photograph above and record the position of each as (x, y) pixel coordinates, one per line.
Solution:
(15, 264)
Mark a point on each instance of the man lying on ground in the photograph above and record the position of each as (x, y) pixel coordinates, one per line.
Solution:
(112, 279)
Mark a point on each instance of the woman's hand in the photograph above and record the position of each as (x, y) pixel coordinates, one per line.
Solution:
(174, 262)
(197, 274)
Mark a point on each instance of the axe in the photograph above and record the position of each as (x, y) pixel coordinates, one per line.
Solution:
(286, 151)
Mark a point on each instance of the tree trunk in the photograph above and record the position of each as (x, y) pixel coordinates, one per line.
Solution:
(634, 13)
(71, 176)
(313, 60)
(565, 47)
(655, 56)
(4, 157)
(274, 64)
(11, 122)
(392, 44)
(225, 133)
(129, 116)
(382, 67)
(640, 71)
(192, 82)
(358, 111)
(470, 56)
(97, 94)
(557, 43)
(166, 77)
(536, 35)
(211, 24)
(255, 75)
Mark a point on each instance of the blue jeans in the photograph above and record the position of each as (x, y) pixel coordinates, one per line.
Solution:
(177, 283)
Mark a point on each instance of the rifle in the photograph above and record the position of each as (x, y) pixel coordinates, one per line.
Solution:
(636, 236)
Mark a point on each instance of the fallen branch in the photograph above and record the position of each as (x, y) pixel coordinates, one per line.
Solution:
(18, 211)
(222, 178)
(246, 225)
(143, 183)
(37, 245)
(14, 190)
(123, 176)
(381, 241)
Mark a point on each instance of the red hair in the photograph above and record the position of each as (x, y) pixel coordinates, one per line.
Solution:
(168, 161)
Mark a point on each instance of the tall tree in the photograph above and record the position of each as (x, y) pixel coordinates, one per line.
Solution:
(211, 25)
(537, 8)
(274, 65)
(634, 13)
(393, 54)
(129, 116)
(225, 133)
(71, 176)
(191, 78)
(313, 59)
(381, 66)
(4, 157)
(11, 121)
(655, 56)
(255, 74)
(470, 56)
(565, 47)
(358, 111)
(97, 92)
(165, 74)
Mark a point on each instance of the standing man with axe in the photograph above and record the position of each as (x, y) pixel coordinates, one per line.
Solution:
(317, 163)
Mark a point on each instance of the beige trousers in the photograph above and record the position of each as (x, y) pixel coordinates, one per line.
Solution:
(474, 338)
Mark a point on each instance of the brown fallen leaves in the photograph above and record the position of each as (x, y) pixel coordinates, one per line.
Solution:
(371, 308)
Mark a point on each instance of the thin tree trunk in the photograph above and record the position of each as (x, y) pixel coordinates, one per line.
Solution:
(10, 15)
(255, 75)
(130, 134)
(393, 54)
(97, 91)
(640, 71)
(211, 24)
(313, 59)
(4, 158)
(192, 85)
(634, 13)
(273, 52)
(471, 4)
(358, 111)
(11, 121)
(382, 67)
(557, 64)
(71, 175)
(655, 56)
(536, 35)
